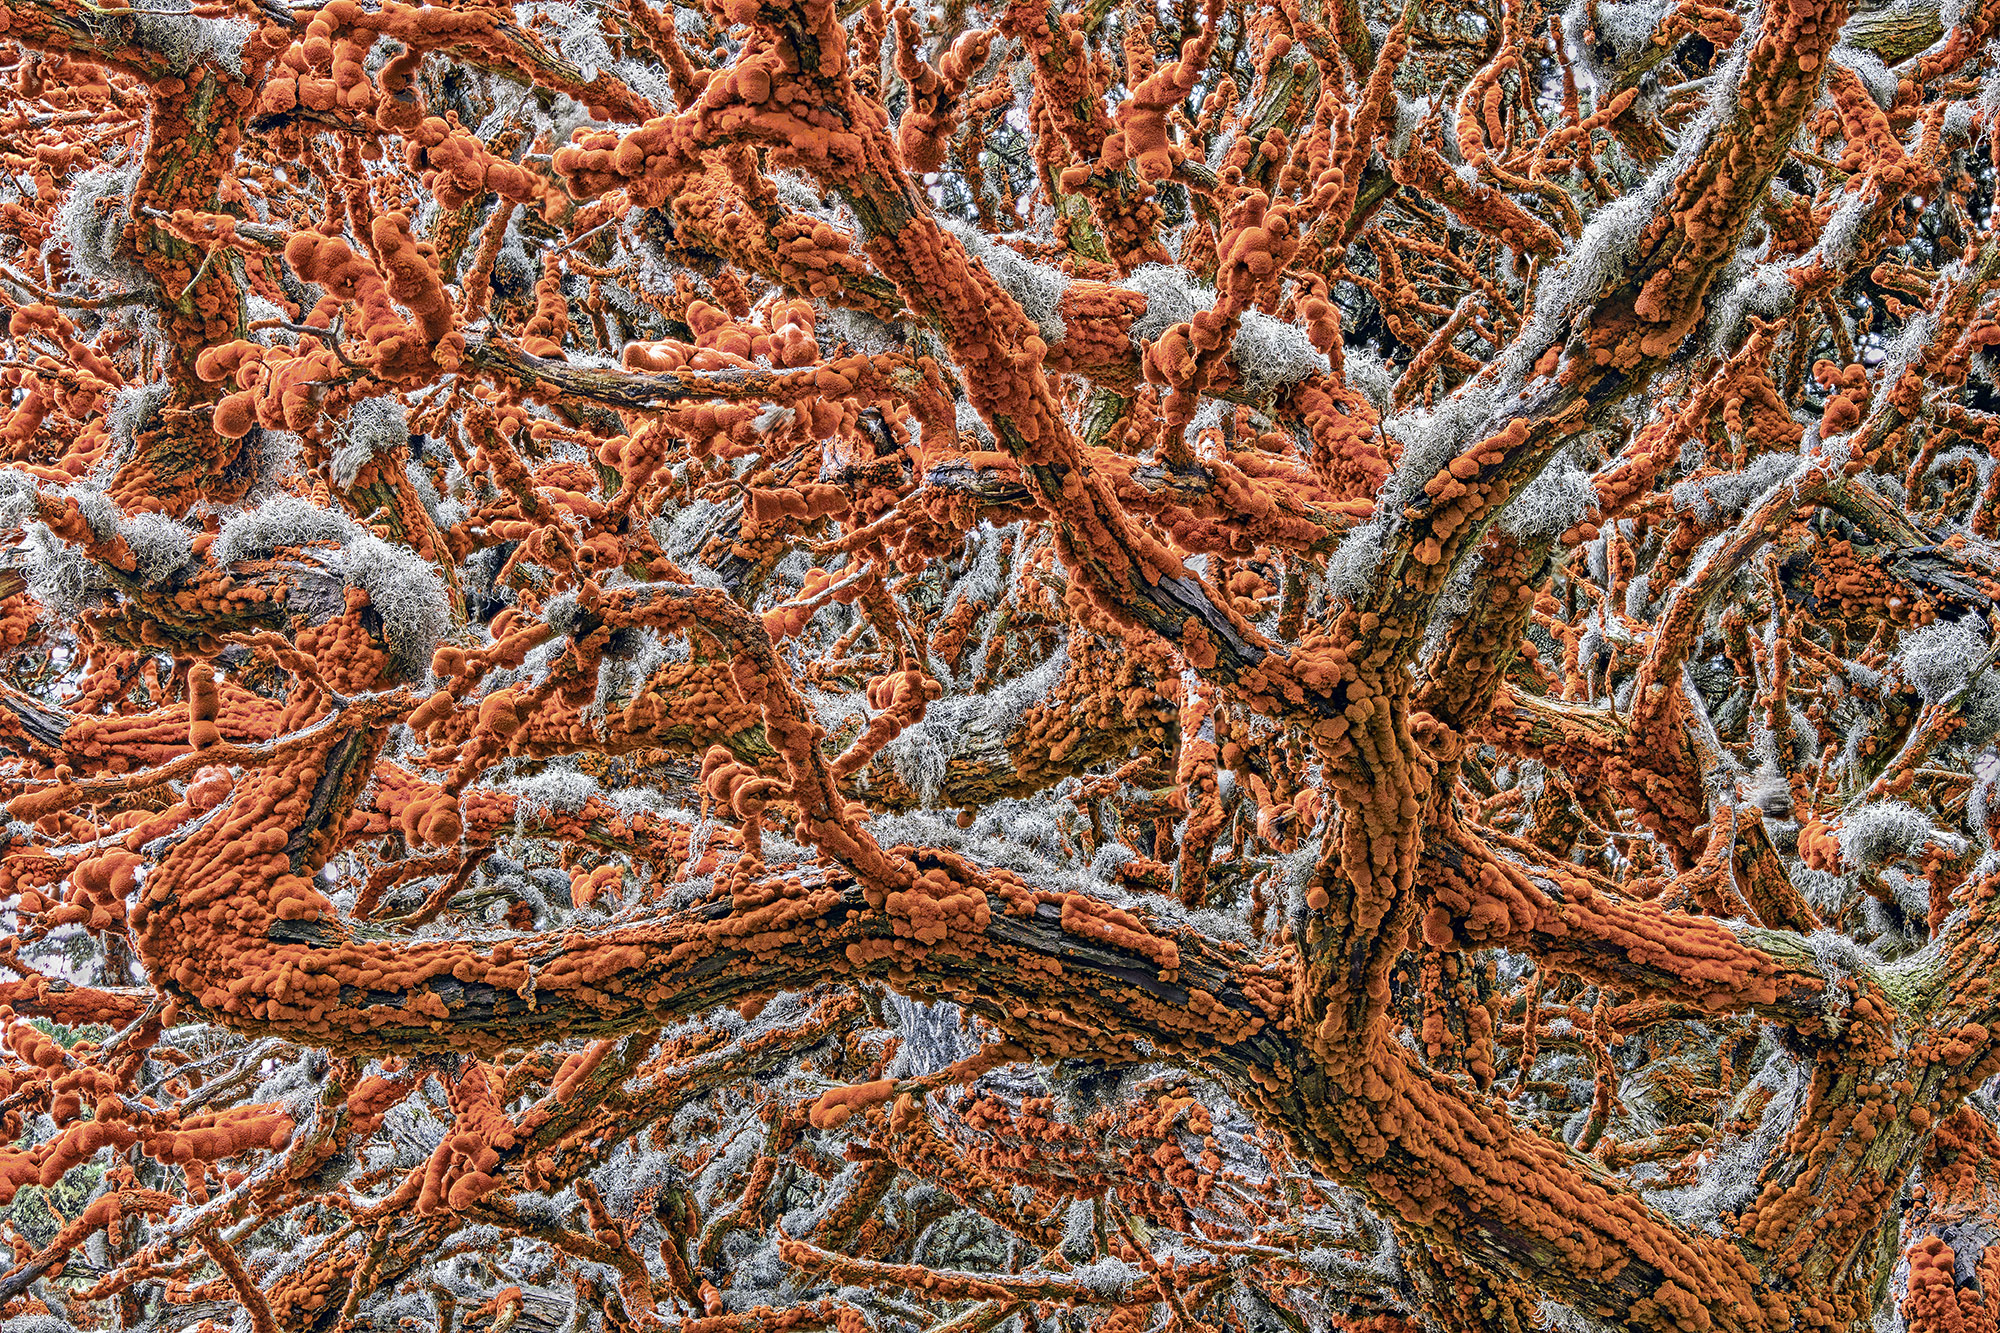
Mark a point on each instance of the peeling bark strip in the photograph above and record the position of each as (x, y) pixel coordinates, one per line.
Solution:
(796, 665)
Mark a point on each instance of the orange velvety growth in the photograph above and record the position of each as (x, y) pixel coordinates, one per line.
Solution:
(759, 666)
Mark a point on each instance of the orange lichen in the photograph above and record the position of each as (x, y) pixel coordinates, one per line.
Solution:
(1322, 644)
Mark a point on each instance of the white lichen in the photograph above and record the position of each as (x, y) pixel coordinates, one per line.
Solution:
(1172, 297)
(90, 226)
(1350, 572)
(1550, 505)
(374, 427)
(405, 591)
(1938, 659)
(1881, 831)
(556, 790)
(160, 545)
(1038, 288)
(1269, 354)
(1724, 495)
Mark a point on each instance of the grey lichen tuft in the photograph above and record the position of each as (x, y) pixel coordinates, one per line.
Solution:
(91, 227)
(1367, 372)
(1881, 831)
(285, 521)
(375, 426)
(1937, 659)
(59, 574)
(161, 546)
(1037, 287)
(1171, 298)
(61, 577)
(409, 596)
(1269, 354)
(186, 40)
(1550, 505)
(402, 587)
(1724, 495)
(555, 790)
(134, 408)
(1352, 569)
(1622, 32)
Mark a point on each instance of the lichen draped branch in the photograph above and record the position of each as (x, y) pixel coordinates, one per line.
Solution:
(788, 664)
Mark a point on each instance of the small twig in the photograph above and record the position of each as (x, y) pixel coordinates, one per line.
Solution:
(1169, 1290)
(247, 1295)
(200, 269)
(575, 241)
